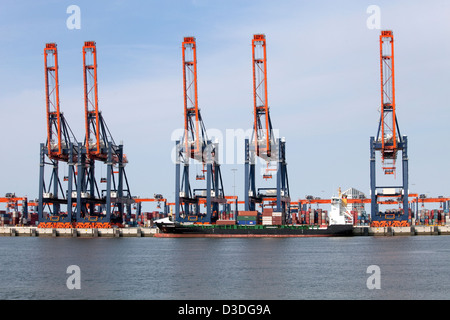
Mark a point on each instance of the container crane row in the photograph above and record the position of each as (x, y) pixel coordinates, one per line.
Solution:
(79, 198)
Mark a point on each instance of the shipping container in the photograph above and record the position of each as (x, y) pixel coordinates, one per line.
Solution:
(246, 222)
(246, 218)
(225, 222)
(248, 213)
(276, 214)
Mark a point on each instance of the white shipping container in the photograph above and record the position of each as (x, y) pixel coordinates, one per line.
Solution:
(276, 214)
(389, 191)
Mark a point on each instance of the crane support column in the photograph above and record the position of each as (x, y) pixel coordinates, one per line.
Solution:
(405, 176)
(374, 204)
(41, 183)
(177, 180)
(250, 185)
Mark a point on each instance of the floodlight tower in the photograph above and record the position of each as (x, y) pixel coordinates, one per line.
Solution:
(263, 143)
(195, 146)
(389, 140)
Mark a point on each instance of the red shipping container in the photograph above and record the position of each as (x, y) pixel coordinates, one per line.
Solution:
(248, 213)
(225, 222)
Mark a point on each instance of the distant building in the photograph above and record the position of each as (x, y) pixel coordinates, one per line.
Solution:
(353, 193)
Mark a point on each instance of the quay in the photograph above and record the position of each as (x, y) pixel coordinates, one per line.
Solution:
(78, 232)
(418, 230)
(13, 231)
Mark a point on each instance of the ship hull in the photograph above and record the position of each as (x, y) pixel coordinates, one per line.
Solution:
(175, 230)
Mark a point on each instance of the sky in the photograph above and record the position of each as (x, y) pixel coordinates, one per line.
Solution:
(323, 86)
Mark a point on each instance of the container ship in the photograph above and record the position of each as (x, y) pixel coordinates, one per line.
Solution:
(270, 224)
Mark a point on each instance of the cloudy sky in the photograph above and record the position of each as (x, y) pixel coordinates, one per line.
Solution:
(323, 80)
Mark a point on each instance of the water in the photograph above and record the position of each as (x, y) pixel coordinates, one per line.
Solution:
(293, 268)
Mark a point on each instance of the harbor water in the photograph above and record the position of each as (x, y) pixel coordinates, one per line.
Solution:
(203, 268)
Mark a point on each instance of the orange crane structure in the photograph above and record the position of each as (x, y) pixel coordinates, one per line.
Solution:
(195, 146)
(389, 141)
(263, 137)
(60, 147)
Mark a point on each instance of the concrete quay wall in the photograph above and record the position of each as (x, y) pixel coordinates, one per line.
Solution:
(150, 232)
(73, 232)
(402, 231)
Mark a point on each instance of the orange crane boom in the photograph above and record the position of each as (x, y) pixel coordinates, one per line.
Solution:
(59, 134)
(262, 124)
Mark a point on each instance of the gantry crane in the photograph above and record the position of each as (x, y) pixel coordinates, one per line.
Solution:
(61, 146)
(263, 143)
(12, 207)
(94, 205)
(196, 147)
(389, 141)
(158, 198)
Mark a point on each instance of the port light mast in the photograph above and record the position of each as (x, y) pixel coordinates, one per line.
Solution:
(263, 143)
(388, 141)
(196, 146)
(61, 146)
